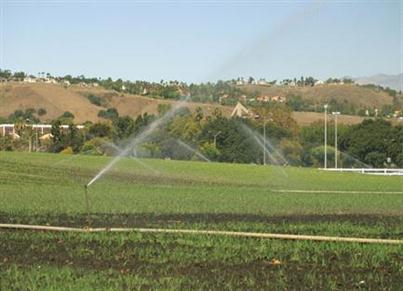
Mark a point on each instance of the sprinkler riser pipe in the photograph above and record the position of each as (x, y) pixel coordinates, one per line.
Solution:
(87, 203)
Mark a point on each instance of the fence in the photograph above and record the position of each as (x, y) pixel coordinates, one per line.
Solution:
(43, 128)
(371, 171)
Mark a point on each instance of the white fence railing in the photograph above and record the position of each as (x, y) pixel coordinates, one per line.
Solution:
(372, 171)
(10, 128)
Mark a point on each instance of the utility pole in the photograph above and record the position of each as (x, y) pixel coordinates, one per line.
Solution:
(325, 166)
(335, 138)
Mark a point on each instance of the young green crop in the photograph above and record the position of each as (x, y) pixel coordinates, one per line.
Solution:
(49, 189)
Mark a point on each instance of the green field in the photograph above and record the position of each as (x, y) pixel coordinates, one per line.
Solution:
(49, 189)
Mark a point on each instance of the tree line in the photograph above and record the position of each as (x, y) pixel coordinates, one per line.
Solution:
(372, 143)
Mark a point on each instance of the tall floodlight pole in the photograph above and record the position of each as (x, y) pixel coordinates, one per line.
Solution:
(335, 138)
(325, 166)
(264, 142)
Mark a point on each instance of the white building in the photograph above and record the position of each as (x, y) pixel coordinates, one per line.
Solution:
(30, 79)
(50, 81)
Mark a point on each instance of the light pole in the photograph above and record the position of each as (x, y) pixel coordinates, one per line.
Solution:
(264, 142)
(335, 137)
(325, 136)
(215, 139)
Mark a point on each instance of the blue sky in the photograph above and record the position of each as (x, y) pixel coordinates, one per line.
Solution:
(199, 41)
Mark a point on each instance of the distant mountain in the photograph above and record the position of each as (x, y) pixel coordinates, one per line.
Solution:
(391, 81)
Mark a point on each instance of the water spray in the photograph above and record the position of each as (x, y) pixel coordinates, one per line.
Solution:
(87, 204)
(192, 150)
(136, 140)
(134, 157)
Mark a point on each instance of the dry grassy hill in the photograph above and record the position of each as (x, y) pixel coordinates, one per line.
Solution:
(57, 99)
(356, 95)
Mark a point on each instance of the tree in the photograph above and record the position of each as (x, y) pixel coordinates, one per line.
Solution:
(210, 151)
(19, 76)
(316, 156)
(376, 159)
(74, 138)
(234, 143)
(6, 74)
(373, 141)
(217, 113)
(278, 115)
(185, 128)
(41, 111)
(27, 115)
(66, 117)
(143, 121)
(96, 100)
(57, 137)
(100, 129)
(110, 113)
(199, 114)
(6, 143)
(98, 146)
(292, 151)
(150, 150)
(124, 127)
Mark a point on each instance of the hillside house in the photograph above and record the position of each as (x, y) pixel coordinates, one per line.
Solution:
(263, 98)
(266, 98)
(83, 84)
(240, 82)
(278, 99)
(262, 82)
(50, 81)
(30, 79)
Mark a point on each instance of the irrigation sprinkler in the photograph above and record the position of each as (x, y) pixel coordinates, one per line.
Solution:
(136, 140)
